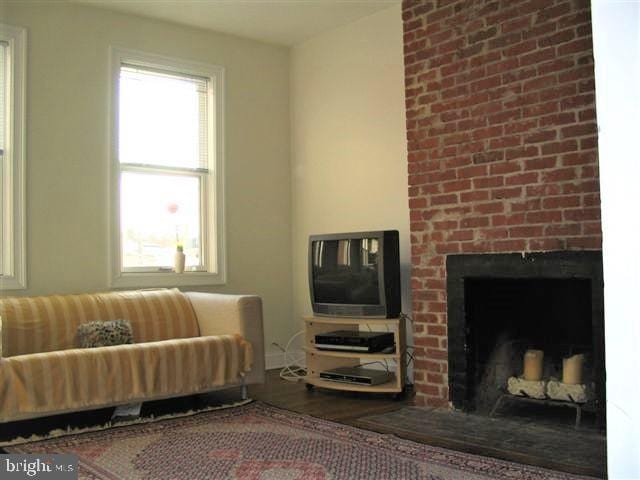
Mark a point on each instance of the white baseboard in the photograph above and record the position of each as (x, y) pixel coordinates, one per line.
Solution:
(276, 359)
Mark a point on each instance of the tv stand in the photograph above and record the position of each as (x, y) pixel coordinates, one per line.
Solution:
(321, 360)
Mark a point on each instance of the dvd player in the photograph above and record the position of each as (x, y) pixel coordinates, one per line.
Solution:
(357, 375)
(355, 341)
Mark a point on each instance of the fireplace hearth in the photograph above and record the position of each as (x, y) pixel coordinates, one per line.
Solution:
(502, 305)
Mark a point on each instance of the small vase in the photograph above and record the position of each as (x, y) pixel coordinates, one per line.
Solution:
(178, 261)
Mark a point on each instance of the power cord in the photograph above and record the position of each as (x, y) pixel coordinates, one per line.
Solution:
(291, 371)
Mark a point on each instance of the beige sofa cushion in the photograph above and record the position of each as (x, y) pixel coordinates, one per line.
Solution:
(50, 323)
(47, 383)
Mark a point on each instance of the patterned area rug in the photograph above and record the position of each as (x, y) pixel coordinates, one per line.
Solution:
(257, 441)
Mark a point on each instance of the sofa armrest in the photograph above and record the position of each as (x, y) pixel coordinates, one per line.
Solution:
(219, 314)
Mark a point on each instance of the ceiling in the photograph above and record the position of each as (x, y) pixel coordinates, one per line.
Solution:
(283, 22)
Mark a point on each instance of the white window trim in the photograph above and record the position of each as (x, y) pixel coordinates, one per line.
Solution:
(216, 232)
(14, 265)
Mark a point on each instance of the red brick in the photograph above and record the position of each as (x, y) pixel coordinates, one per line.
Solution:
(555, 66)
(591, 200)
(499, 193)
(546, 244)
(514, 219)
(563, 230)
(551, 13)
(563, 36)
(547, 216)
(415, 203)
(484, 208)
(538, 56)
(561, 202)
(577, 101)
(540, 110)
(587, 143)
(519, 127)
(519, 49)
(504, 142)
(559, 147)
(435, 378)
(445, 225)
(563, 118)
(527, 205)
(539, 137)
(540, 163)
(505, 116)
(579, 45)
(437, 330)
(505, 167)
(483, 133)
(521, 179)
(592, 228)
(526, 231)
(509, 245)
(488, 182)
(447, 248)
(474, 222)
(543, 190)
(475, 247)
(494, 233)
(582, 214)
(473, 171)
(456, 186)
(460, 236)
(474, 196)
(503, 66)
(584, 186)
(502, 145)
(580, 130)
(523, 23)
(427, 341)
(583, 243)
(583, 72)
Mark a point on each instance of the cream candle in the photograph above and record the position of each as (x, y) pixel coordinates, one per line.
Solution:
(572, 369)
(533, 365)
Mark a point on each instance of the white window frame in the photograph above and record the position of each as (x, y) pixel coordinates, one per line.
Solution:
(213, 199)
(13, 266)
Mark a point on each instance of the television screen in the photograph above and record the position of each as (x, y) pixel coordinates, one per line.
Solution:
(345, 271)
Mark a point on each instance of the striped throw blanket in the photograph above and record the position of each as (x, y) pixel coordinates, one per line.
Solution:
(42, 372)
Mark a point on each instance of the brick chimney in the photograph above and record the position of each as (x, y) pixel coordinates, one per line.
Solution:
(502, 141)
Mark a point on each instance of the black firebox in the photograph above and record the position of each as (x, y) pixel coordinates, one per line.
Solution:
(500, 305)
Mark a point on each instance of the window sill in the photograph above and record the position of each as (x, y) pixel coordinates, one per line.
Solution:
(12, 283)
(166, 279)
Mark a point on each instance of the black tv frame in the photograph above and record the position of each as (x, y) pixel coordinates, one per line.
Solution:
(388, 278)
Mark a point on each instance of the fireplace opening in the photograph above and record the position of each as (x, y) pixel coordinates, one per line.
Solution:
(547, 306)
(507, 317)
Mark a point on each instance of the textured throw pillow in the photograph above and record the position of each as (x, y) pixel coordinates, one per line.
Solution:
(103, 334)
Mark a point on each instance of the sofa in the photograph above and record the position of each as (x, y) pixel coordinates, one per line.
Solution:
(185, 343)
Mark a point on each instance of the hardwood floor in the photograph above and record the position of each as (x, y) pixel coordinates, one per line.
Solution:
(339, 406)
(545, 439)
(437, 427)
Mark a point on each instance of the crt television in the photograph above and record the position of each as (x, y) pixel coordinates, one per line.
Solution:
(355, 274)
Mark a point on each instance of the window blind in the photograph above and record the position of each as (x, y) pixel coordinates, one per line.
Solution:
(163, 119)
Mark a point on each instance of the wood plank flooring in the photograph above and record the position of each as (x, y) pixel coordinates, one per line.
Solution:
(519, 438)
(380, 412)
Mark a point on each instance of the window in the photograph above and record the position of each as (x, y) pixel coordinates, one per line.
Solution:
(12, 129)
(167, 171)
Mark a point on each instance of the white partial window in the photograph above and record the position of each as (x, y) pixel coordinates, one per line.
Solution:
(12, 157)
(166, 171)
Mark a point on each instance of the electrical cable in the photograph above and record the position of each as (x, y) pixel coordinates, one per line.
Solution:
(291, 371)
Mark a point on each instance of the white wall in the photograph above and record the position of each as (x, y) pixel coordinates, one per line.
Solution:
(67, 145)
(348, 157)
(616, 34)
